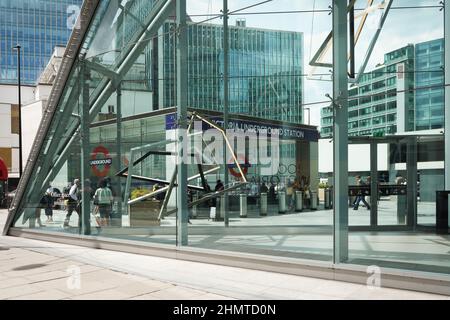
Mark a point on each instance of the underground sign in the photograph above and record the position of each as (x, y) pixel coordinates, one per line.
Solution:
(234, 171)
(100, 161)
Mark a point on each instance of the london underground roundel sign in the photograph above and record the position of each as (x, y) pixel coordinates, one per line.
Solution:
(100, 161)
(234, 171)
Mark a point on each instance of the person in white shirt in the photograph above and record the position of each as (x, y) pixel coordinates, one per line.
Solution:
(103, 198)
(73, 202)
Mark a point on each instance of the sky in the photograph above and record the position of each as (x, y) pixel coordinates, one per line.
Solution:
(403, 26)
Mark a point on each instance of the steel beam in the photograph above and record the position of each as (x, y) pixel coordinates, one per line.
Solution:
(374, 40)
(447, 94)
(119, 145)
(226, 96)
(373, 184)
(85, 213)
(182, 80)
(340, 136)
(411, 185)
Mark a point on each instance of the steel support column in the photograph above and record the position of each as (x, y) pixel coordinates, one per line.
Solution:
(447, 94)
(411, 185)
(373, 184)
(85, 213)
(340, 136)
(119, 147)
(226, 74)
(182, 79)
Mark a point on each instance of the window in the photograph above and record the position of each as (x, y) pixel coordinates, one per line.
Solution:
(15, 119)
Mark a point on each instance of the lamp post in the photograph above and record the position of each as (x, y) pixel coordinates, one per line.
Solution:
(18, 47)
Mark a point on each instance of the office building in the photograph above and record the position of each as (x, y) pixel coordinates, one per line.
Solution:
(403, 94)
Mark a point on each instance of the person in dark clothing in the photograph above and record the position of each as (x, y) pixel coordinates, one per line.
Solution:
(360, 197)
(272, 196)
(264, 188)
(219, 186)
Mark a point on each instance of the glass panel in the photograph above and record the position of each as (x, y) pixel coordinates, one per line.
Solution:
(104, 122)
(280, 211)
(403, 83)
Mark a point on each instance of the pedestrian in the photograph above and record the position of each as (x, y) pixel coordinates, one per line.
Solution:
(50, 202)
(73, 203)
(264, 188)
(103, 198)
(361, 196)
(219, 186)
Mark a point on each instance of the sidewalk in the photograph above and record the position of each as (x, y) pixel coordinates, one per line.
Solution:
(31, 269)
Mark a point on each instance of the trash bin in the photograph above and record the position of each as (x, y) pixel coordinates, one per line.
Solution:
(243, 205)
(281, 202)
(263, 204)
(401, 209)
(442, 212)
(298, 201)
(313, 200)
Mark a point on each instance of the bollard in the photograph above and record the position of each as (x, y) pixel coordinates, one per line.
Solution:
(401, 209)
(327, 199)
(313, 200)
(281, 202)
(243, 205)
(222, 207)
(298, 201)
(194, 208)
(263, 204)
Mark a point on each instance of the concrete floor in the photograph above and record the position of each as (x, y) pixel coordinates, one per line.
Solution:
(36, 270)
(305, 235)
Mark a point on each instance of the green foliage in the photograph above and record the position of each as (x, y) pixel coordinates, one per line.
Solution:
(323, 185)
(139, 192)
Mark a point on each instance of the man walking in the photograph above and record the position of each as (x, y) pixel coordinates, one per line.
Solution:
(73, 204)
(361, 196)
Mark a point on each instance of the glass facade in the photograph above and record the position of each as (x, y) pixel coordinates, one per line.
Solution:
(266, 70)
(142, 115)
(374, 103)
(429, 76)
(38, 26)
(424, 109)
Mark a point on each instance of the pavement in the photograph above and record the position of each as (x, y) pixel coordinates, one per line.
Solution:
(37, 270)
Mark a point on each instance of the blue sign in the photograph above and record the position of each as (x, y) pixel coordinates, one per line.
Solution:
(284, 133)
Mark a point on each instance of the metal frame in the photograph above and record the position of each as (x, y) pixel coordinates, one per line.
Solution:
(340, 135)
(326, 45)
(84, 20)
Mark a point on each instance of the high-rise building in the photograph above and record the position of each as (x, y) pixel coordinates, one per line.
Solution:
(38, 26)
(403, 94)
(429, 113)
(381, 103)
(265, 70)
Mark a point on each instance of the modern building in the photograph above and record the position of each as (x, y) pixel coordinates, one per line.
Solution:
(38, 27)
(429, 80)
(34, 100)
(104, 124)
(403, 94)
(266, 68)
(380, 103)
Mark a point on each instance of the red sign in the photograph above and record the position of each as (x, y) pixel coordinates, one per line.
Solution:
(234, 170)
(100, 164)
(3, 171)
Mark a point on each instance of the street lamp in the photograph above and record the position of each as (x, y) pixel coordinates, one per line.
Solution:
(18, 47)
